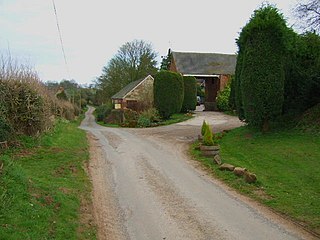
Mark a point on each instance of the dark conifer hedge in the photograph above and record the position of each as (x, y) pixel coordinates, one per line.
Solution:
(168, 93)
(190, 94)
(302, 84)
(260, 67)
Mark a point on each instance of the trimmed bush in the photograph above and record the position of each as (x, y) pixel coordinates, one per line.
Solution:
(190, 94)
(168, 93)
(262, 44)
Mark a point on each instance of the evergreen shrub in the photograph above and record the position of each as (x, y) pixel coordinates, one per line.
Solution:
(203, 127)
(190, 94)
(260, 72)
(302, 84)
(168, 93)
(208, 136)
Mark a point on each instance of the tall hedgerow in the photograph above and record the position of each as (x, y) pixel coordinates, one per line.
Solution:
(26, 105)
(190, 94)
(168, 93)
(260, 71)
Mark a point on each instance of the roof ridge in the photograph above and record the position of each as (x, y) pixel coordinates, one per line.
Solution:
(209, 53)
(128, 88)
(196, 63)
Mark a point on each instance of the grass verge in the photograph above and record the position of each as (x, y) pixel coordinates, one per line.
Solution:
(44, 189)
(287, 165)
(175, 118)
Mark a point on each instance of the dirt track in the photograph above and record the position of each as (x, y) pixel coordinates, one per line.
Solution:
(145, 187)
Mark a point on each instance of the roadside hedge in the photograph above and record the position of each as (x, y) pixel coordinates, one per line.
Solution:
(168, 93)
(27, 107)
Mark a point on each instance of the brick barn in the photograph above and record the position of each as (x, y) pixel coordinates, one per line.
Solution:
(214, 69)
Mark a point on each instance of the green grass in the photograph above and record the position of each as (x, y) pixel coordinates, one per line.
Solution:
(108, 124)
(175, 118)
(43, 187)
(287, 165)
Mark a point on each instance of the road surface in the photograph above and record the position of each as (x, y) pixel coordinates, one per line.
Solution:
(145, 187)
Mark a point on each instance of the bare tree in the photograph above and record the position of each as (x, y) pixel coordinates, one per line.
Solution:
(308, 13)
(134, 60)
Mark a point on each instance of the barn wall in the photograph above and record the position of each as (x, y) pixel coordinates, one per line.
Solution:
(141, 98)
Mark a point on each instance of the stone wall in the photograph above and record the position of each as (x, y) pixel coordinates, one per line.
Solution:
(143, 93)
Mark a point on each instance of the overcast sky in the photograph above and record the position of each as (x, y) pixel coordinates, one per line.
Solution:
(93, 31)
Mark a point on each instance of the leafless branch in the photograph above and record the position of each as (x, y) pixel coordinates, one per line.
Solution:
(308, 13)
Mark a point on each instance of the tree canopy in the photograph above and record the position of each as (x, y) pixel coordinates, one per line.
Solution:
(134, 60)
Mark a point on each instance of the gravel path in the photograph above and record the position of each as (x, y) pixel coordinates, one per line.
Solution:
(146, 187)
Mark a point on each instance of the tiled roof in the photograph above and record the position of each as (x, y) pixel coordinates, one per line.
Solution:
(123, 92)
(191, 63)
(127, 89)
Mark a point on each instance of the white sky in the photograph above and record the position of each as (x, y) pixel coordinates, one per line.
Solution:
(94, 30)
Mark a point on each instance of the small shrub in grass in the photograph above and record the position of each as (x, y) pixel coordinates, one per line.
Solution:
(208, 136)
(203, 128)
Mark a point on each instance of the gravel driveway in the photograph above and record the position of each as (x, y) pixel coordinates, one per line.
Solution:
(146, 187)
